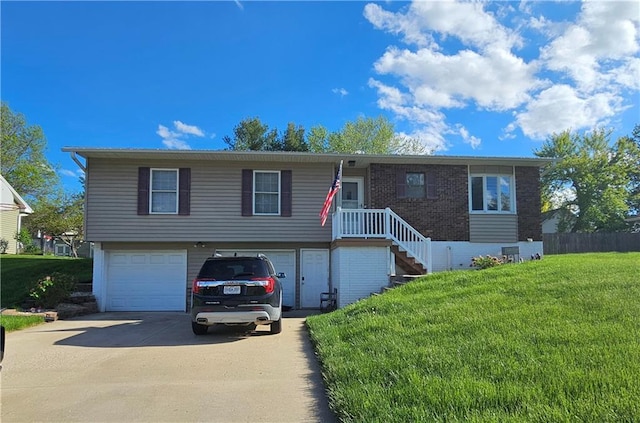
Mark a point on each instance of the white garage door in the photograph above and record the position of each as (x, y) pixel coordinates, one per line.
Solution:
(284, 261)
(146, 280)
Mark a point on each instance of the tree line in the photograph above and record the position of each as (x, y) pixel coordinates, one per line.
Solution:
(593, 183)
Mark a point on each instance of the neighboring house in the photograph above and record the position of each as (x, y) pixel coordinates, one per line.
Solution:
(553, 218)
(155, 215)
(12, 209)
(61, 248)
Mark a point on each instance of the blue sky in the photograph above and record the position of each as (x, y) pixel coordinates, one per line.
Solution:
(481, 79)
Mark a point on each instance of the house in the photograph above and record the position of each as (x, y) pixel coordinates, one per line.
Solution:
(12, 209)
(155, 215)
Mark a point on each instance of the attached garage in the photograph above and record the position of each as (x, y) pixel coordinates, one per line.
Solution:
(283, 261)
(151, 280)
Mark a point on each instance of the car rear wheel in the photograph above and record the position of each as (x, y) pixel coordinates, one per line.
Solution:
(276, 327)
(199, 329)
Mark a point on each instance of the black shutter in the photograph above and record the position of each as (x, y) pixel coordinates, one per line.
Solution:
(143, 190)
(401, 183)
(184, 193)
(285, 193)
(247, 192)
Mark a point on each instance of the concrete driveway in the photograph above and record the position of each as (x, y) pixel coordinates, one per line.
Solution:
(149, 367)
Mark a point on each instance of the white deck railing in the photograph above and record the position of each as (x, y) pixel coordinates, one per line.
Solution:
(383, 224)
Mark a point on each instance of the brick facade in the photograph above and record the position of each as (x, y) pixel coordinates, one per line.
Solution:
(443, 218)
(446, 217)
(528, 203)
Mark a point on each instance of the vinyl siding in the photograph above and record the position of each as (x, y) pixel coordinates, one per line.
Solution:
(215, 204)
(8, 228)
(493, 227)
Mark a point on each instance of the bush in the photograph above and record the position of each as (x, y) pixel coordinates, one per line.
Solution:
(52, 290)
(485, 262)
(32, 249)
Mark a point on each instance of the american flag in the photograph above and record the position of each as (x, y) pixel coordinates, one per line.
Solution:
(335, 187)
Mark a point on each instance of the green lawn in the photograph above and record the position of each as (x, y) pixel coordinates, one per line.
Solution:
(550, 340)
(19, 273)
(12, 323)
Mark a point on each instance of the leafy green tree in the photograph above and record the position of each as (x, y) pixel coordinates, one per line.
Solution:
(252, 135)
(597, 173)
(364, 135)
(631, 145)
(24, 164)
(293, 139)
(62, 217)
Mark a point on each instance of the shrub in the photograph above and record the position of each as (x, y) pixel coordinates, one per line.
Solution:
(32, 249)
(4, 244)
(485, 262)
(52, 290)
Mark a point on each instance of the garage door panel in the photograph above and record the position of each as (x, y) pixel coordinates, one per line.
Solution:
(146, 281)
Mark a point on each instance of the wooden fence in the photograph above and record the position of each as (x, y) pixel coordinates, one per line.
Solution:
(564, 243)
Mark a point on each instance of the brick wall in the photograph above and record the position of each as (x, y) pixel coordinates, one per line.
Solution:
(528, 203)
(443, 218)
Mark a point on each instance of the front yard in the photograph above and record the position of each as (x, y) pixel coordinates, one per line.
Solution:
(550, 340)
(20, 273)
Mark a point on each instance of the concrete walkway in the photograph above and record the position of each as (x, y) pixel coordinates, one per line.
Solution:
(149, 367)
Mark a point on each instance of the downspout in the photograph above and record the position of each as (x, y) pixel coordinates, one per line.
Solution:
(78, 162)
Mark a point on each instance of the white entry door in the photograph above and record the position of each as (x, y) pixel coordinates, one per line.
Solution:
(352, 198)
(314, 276)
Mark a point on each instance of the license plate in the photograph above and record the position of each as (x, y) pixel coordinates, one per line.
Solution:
(231, 290)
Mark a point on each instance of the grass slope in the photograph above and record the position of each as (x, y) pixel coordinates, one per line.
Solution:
(19, 273)
(550, 340)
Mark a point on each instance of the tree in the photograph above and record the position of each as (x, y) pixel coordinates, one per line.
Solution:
(293, 139)
(24, 164)
(631, 145)
(597, 174)
(252, 135)
(364, 135)
(62, 217)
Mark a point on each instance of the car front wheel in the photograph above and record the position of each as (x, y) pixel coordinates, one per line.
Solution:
(199, 329)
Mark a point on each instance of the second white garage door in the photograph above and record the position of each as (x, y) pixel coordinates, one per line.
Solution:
(146, 280)
(283, 261)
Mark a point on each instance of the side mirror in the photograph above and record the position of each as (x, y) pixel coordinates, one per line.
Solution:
(281, 275)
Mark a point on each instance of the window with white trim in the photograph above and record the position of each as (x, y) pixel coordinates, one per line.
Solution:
(492, 193)
(164, 191)
(266, 192)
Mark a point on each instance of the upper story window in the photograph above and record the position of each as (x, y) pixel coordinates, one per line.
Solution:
(415, 185)
(164, 191)
(412, 184)
(492, 193)
(266, 192)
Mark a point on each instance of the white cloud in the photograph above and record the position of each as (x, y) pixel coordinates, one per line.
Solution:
(188, 129)
(473, 141)
(176, 140)
(240, 5)
(562, 107)
(340, 91)
(176, 144)
(459, 55)
(71, 173)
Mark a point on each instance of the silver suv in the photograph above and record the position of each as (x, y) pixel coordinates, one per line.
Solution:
(237, 291)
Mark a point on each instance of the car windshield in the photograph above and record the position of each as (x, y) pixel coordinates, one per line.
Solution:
(233, 268)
